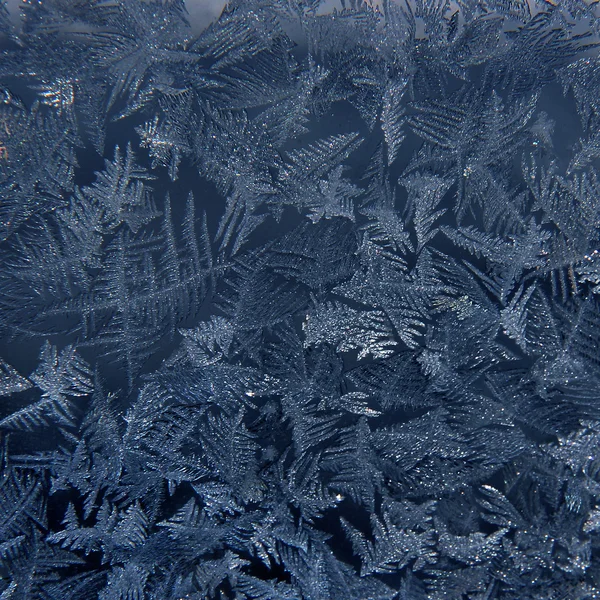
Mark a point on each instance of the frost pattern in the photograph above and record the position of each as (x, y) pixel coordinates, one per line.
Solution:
(302, 306)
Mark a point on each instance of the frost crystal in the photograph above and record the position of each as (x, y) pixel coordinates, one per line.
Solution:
(303, 305)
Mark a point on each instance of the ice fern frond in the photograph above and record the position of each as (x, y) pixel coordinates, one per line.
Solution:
(392, 118)
(29, 137)
(61, 377)
(231, 451)
(119, 190)
(11, 381)
(425, 193)
(477, 242)
(240, 33)
(367, 331)
(315, 161)
(392, 548)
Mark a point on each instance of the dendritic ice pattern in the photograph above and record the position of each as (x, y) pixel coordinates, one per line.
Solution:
(301, 305)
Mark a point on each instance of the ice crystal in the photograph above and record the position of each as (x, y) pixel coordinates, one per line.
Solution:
(302, 305)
